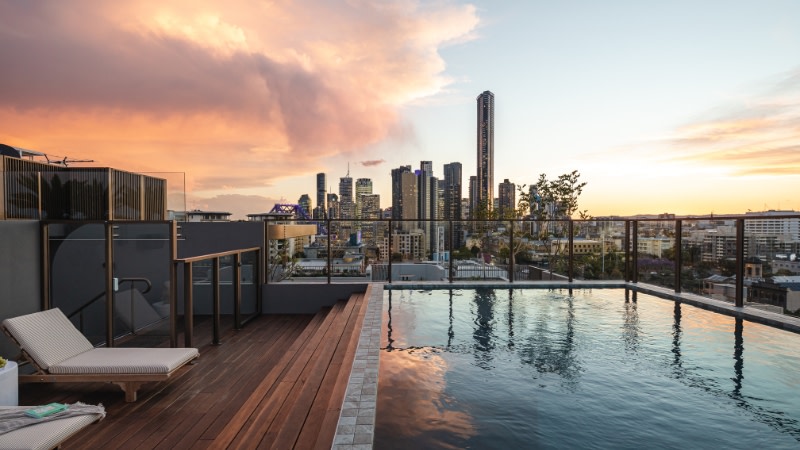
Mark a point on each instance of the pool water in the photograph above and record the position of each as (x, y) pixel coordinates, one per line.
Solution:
(602, 368)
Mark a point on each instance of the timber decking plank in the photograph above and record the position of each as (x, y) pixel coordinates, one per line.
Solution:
(254, 429)
(267, 383)
(324, 416)
(233, 427)
(287, 431)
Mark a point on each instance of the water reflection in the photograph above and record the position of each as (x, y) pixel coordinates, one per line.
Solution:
(630, 326)
(677, 332)
(554, 339)
(483, 334)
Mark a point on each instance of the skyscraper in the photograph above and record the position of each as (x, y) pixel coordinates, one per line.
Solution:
(363, 187)
(305, 202)
(321, 210)
(485, 191)
(346, 205)
(404, 197)
(452, 200)
(506, 198)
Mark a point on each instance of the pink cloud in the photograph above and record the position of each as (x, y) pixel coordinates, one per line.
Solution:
(236, 96)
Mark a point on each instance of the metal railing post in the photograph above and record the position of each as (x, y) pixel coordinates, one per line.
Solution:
(237, 291)
(215, 306)
(450, 268)
(188, 307)
(109, 279)
(571, 254)
(635, 250)
(739, 263)
(678, 254)
(389, 250)
(511, 252)
(329, 266)
(627, 249)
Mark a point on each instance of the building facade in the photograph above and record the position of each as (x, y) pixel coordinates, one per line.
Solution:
(485, 153)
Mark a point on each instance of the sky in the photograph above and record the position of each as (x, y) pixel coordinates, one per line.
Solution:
(683, 107)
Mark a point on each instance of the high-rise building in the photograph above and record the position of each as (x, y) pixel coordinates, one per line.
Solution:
(322, 204)
(485, 141)
(404, 197)
(452, 200)
(346, 204)
(363, 187)
(427, 188)
(305, 202)
(473, 196)
(506, 200)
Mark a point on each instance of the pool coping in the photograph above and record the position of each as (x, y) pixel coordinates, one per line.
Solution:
(356, 427)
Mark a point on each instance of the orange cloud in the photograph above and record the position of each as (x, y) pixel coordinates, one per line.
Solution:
(237, 96)
(762, 138)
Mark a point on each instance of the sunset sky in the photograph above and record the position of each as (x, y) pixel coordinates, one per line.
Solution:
(683, 106)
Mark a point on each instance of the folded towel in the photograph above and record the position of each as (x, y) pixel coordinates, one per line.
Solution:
(15, 418)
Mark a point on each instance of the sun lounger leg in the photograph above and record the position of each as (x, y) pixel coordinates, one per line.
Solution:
(130, 388)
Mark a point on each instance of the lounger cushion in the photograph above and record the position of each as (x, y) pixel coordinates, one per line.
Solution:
(47, 336)
(126, 360)
(46, 435)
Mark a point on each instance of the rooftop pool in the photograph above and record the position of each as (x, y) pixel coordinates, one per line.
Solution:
(599, 368)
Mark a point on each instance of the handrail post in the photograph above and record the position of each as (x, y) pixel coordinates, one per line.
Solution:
(678, 253)
(627, 249)
(511, 252)
(267, 254)
(188, 307)
(635, 251)
(450, 268)
(570, 250)
(173, 287)
(215, 288)
(46, 268)
(109, 279)
(258, 279)
(740, 263)
(389, 251)
(328, 263)
(237, 290)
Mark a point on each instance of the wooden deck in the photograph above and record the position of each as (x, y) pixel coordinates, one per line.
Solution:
(277, 383)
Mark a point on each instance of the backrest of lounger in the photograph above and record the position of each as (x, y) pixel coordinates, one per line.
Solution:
(47, 336)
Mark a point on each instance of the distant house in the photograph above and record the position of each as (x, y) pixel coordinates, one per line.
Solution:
(197, 215)
(782, 291)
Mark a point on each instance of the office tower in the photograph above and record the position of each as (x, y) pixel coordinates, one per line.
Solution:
(473, 196)
(485, 192)
(346, 205)
(333, 206)
(506, 199)
(322, 205)
(397, 191)
(404, 197)
(363, 187)
(452, 200)
(427, 188)
(305, 202)
(370, 210)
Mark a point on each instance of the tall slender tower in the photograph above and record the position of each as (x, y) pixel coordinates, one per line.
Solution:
(321, 211)
(485, 191)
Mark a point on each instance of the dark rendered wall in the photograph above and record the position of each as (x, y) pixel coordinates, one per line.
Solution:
(203, 238)
(20, 274)
(296, 298)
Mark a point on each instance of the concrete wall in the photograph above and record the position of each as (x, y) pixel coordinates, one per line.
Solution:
(296, 298)
(20, 274)
(202, 238)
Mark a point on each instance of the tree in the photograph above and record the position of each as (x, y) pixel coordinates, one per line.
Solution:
(552, 204)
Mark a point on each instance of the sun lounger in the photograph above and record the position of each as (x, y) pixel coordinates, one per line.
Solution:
(60, 353)
(45, 435)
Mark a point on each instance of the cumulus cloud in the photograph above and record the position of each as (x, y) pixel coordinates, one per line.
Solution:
(236, 95)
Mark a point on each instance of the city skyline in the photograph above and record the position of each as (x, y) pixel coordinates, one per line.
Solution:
(681, 107)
